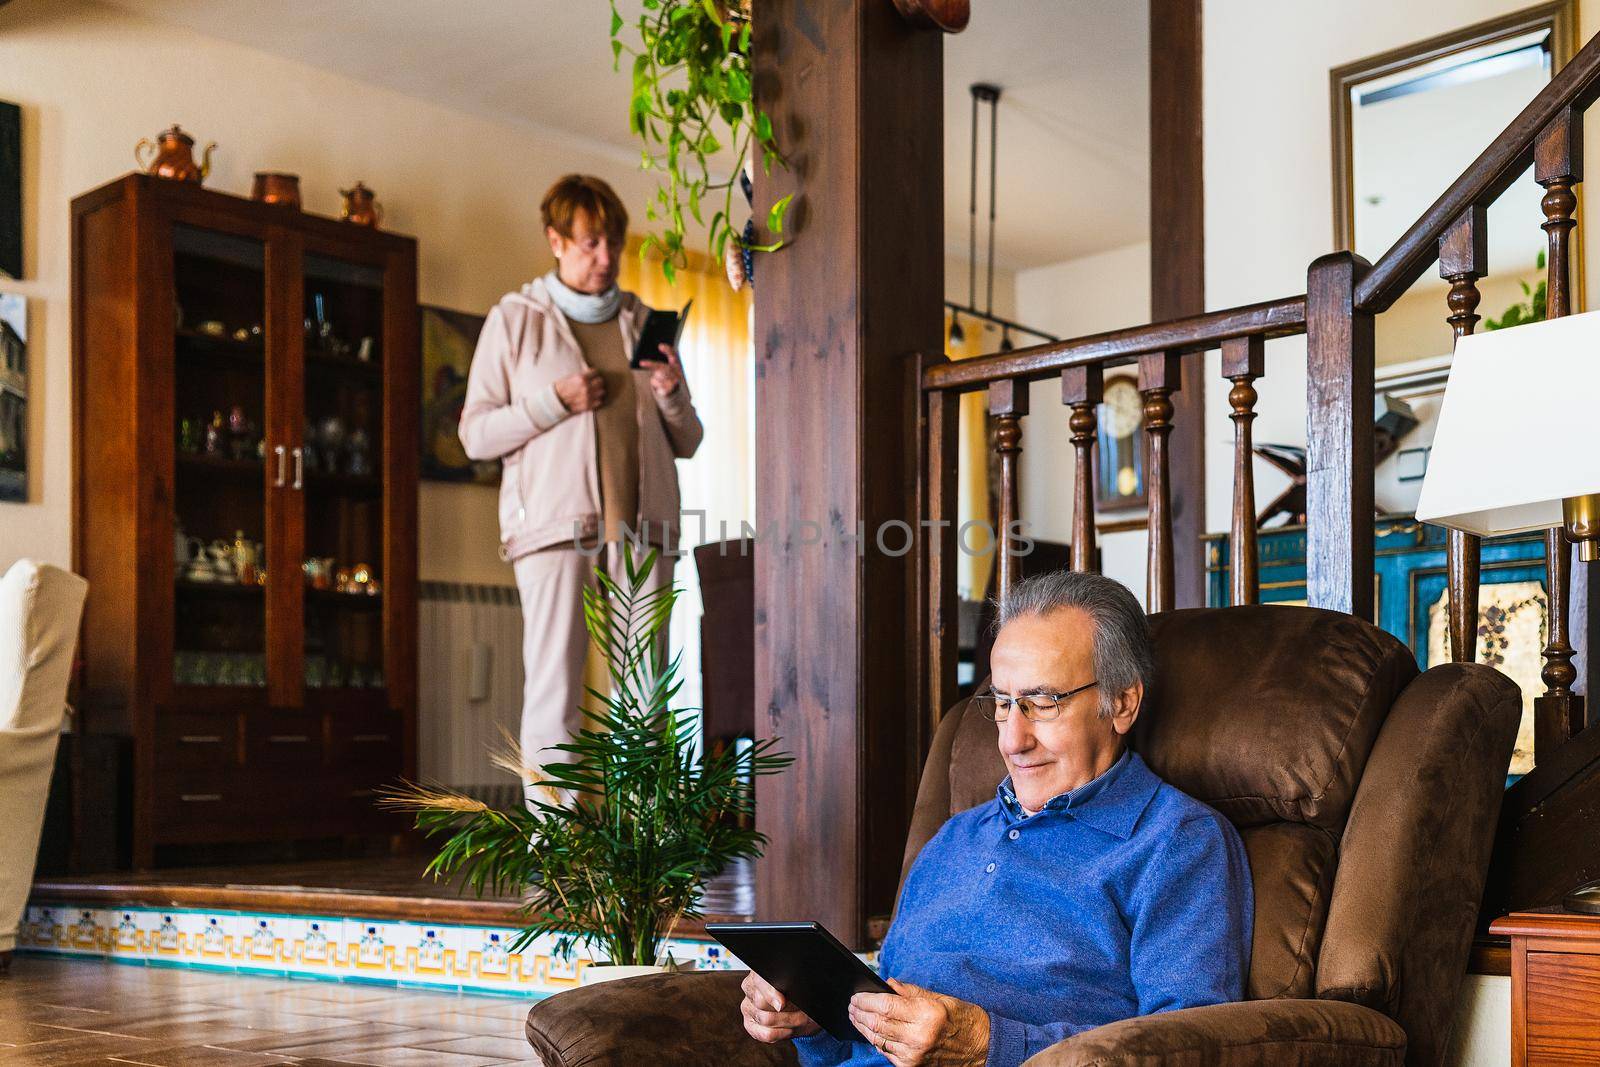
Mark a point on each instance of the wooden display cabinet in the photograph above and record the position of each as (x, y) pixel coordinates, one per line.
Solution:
(264, 703)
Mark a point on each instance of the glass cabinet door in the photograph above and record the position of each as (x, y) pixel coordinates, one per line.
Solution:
(219, 497)
(342, 457)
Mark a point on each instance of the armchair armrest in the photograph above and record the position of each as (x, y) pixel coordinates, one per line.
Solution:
(1255, 1033)
(657, 1019)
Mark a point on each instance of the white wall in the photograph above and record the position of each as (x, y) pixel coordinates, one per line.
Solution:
(92, 81)
(1091, 294)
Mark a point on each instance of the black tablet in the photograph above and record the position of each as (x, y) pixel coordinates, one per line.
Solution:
(660, 328)
(806, 964)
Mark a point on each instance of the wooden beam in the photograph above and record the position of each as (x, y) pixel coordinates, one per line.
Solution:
(1177, 265)
(854, 93)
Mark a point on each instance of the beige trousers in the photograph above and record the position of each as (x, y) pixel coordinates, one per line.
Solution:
(555, 643)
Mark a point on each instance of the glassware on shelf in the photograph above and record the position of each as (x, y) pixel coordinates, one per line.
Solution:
(216, 433)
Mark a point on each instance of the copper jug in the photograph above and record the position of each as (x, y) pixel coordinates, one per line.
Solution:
(361, 206)
(172, 156)
(276, 188)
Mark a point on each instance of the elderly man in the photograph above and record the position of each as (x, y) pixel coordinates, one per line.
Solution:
(1087, 891)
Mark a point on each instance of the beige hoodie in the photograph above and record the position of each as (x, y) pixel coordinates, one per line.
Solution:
(550, 487)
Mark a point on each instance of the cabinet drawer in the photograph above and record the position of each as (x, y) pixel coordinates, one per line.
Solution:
(1563, 990)
(205, 807)
(197, 740)
(367, 738)
(283, 739)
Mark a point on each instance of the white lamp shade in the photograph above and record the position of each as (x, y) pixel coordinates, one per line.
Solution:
(1519, 428)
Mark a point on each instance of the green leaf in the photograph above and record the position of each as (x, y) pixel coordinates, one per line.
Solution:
(616, 55)
(775, 216)
(711, 11)
(616, 21)
(763, 127)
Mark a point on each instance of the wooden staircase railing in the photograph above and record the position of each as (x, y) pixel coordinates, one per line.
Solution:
(1343, 295)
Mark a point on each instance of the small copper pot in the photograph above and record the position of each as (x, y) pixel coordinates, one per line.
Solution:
(274, 188)
(361, 206)
(172, 156)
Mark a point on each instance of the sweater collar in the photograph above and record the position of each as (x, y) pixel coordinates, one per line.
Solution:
(1111, 802)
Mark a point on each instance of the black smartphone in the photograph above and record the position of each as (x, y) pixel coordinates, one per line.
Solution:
(660, 328)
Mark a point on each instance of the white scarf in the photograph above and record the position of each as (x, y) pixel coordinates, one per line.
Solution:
(583, 307)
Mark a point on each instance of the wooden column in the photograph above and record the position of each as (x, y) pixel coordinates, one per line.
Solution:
(1082, 389)
(1008, 402)
(1243, 361)
(938, 546)
(1339, 502)
(1178, 266)
(1463, 259)
(1159, 377)
(853, 93)
(1558, 166)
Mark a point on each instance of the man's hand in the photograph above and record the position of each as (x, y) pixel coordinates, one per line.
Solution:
(768, 1015)
(665, 377)
(919, 1028)
(583, 391)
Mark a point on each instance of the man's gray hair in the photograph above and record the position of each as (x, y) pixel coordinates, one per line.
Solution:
(1123, 652)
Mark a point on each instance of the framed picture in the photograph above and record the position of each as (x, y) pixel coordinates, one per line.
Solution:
(10, 190)
(1119, 458)
(13, 397)
(448, 340)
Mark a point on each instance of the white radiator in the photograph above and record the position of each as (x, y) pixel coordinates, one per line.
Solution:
(470, 654)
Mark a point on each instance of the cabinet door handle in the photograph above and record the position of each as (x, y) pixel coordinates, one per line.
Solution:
(283, 470)
(368, 739)
(288, 739)
(299, 467)
(200, 798)
(201, 739)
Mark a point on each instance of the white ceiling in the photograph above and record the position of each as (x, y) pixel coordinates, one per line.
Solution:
(1073, 128)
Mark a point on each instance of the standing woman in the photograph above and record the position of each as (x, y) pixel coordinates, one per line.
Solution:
(587, 444)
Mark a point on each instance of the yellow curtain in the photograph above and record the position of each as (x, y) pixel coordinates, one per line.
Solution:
(972, 470)
(719, 363)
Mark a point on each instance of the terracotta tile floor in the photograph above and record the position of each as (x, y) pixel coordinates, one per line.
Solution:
(70, 1013)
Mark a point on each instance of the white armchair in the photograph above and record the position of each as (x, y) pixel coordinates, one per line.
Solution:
(40, 607)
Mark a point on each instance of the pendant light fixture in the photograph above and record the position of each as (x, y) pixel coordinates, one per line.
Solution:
(984, 93)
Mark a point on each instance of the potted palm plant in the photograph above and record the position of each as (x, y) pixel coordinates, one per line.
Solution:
(632, 826)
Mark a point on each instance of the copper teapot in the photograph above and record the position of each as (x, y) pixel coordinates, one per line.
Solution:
(172, 156)
(361, 206)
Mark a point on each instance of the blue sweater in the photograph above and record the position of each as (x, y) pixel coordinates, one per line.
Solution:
(1123, 897)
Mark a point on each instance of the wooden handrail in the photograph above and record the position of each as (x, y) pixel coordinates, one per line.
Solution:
(1575, 86)
(1196, 333)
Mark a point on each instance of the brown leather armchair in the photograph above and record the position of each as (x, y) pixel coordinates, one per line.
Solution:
(1366, 795)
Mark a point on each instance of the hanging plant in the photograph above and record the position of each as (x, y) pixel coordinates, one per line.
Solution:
(692, 95)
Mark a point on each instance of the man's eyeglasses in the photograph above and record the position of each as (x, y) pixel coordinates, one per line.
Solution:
(1036, 707)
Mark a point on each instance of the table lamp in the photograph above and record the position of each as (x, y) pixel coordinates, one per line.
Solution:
(1518, 442)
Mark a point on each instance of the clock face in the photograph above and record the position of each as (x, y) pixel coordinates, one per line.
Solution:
(1123, 408)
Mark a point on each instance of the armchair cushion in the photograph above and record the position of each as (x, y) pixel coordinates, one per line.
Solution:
(40, 606)
(1261, 1033)
(651, 1021)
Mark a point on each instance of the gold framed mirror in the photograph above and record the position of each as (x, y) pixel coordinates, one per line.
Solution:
(1407, 122)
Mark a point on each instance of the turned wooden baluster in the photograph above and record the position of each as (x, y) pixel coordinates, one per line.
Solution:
(1558, 166)
(1243, 361)
(1463, 259)
(1008, 402)
(1081, 390)
(1158, 380)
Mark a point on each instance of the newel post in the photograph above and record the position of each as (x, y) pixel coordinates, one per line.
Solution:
(1339, 394)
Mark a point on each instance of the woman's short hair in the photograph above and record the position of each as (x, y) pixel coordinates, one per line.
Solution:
(1123, 652)
(584, 192)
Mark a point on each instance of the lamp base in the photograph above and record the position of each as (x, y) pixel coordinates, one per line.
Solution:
(1581, 516)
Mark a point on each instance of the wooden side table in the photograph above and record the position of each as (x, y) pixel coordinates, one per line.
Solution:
(1555, 987)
